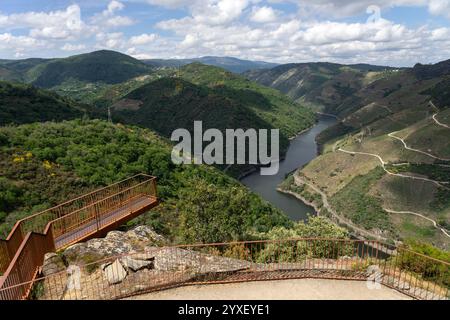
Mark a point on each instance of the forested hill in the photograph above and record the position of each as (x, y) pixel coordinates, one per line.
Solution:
(20, 103)
(108, 67)
(218, 98)
(101, 66)
(43, 164)
(321, 85)
(214, 95)
(227, 63)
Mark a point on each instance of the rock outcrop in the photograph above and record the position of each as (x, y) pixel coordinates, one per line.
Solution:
(53, 263)
(114, 244)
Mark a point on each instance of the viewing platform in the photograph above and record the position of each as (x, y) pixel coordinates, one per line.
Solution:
(85, 217)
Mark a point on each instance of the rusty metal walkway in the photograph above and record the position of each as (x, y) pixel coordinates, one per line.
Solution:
(88, 216)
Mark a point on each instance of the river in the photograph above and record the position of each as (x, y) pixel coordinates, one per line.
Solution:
(302, 150)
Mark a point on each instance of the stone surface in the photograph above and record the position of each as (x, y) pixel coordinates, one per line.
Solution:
(53, 263)
(176, 259)
(115, 272)
(136, 265)
(115, 243)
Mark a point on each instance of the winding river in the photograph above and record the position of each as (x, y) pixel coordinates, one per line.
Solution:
(302, 150)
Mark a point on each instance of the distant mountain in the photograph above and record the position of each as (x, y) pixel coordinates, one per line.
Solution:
(321, 85)
(228, 63)
(101, 66)
(107, 67)
(20, 103)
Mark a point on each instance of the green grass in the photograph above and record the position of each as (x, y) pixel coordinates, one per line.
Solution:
(431, 171)
(354, 202)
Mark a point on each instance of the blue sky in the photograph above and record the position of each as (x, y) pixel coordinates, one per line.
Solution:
(389, 32)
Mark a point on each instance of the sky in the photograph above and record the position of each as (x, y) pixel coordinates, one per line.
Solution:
(384, 32)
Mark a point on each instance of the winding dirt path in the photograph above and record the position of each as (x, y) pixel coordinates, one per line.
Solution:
(415, 150)
(439, 123)
(421, 216)
(383, 164)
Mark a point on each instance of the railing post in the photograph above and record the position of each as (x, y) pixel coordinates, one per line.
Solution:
(97, 216)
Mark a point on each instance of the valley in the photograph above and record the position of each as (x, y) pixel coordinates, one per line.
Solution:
(376, 162)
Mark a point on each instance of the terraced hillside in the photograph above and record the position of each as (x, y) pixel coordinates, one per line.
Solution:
(385, 166)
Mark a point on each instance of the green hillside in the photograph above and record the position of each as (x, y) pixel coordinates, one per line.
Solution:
(271, 106)
(385, 165)
(217, 97)
(20, 103)
(45, 163)
(322, 86)
(7, 74)
(170, 103)
(101, 66)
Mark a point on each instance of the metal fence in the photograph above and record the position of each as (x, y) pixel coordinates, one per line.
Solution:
(154, 269)
(22, 253)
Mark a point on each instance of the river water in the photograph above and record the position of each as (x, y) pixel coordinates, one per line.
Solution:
(302, 150)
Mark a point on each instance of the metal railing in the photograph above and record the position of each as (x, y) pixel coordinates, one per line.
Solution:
(413, 274)
(21, 254)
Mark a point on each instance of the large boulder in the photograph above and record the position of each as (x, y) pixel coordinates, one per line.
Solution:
(53, 263)
(115, 272)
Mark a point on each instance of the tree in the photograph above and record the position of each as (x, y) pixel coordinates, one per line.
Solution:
(208, 214)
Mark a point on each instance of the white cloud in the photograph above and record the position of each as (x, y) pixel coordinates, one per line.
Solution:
(439, 7)
(109, 19)
(263, 14)
(143, 39)
(73, 47)
(170, 3)
(440, 34)
(55, 24)
(113, 40)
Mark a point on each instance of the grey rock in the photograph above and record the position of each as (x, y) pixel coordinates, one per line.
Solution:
(115, 272)
(114, 244)
(53, 263)
(136, 265)
(176, 259)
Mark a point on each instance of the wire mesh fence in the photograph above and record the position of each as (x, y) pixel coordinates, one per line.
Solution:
(159, 268)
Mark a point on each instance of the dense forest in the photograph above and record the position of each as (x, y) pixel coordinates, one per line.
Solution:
(45, 163)
(21, 103)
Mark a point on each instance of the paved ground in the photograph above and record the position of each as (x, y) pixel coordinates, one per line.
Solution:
(305, 289)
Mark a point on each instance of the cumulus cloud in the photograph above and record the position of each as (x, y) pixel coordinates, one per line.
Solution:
(440, 7)
(109, 19)
(263, 14)
(143, 39)
(73, 47)
(112, 40)
(54, 24)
